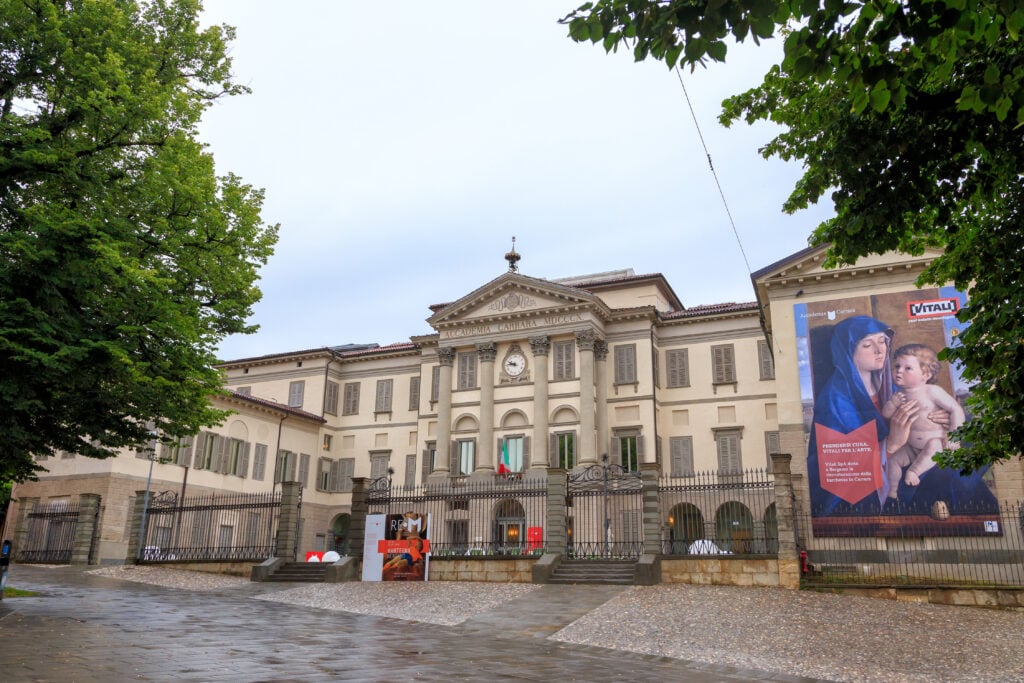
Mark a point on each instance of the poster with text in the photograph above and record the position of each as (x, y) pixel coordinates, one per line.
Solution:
(406, 547)
(878, 405)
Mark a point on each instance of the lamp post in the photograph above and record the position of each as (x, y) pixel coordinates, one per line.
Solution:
(145, 503)
(607, 521)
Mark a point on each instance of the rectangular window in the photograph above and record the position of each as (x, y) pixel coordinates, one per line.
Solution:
(304, 470)
(414, 394)
(346, 469)
(564, 353)
(259, 462)
(723, 362)
(625, 364)
(510, 456)
(383, 402)
(771, 445)
(178, 453)
(765, 360)
(323, 474)
(331, 398)
(284, 470)
(727, 442)
(467, 457)
(435, 383)
(629, 452)
(565, 450)
(429, 460)
(467, 370)
(410, 471)
(328, 442)
(295, 392)
(379, 465)
(351, 401)
(238, 458)
(677, 367)
(681, 454)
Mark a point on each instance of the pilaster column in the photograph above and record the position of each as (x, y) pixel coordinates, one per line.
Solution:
(601, 357)
(446, 357)
(585, 341)
(85, 531)
(25, 506)
(486, 352)
(539, 456)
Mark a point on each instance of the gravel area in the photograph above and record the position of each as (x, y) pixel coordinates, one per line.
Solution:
(825, 636)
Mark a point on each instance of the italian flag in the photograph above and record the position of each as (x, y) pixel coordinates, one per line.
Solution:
(503, 467)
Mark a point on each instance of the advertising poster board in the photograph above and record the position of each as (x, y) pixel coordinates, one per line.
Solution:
(405, 547)
(373, 559)
(865, 362)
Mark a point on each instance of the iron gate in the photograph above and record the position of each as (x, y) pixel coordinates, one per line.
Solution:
(604, 513)
(51, 533)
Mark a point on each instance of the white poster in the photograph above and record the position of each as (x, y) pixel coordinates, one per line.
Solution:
(373, 558)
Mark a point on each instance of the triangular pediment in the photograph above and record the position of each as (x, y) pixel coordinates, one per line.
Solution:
(515, 295)
(809, 263)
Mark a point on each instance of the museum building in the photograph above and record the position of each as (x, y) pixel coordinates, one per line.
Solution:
(519, 375)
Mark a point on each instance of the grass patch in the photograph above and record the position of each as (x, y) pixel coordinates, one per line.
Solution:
(18, 593)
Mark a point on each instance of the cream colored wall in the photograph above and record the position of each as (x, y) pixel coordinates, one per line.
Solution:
(272, 380)
(647, 294)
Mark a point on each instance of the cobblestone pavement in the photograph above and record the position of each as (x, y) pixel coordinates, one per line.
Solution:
(92, 628)
(211, 628)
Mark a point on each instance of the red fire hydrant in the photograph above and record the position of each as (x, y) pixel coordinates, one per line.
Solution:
(803, 562)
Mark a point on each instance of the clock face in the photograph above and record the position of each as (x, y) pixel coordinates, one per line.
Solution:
(515, 364)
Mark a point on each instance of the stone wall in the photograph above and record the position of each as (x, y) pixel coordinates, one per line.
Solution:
(496, 570)
(972, 597)
(717, 571)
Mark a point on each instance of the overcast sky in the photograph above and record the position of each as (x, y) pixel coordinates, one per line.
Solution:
(402, 145)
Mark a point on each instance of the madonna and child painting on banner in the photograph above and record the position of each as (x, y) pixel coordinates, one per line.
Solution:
(878, 406)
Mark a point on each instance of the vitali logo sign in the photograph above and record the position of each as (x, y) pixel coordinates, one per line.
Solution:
(932, 308)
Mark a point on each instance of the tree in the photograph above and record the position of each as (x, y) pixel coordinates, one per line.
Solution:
(124, 258)
(910, 114)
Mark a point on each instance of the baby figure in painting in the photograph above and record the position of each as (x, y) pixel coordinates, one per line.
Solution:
(915, 368)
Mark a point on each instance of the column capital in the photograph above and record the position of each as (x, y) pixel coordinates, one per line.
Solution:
(487, 352)
(540, 345)
(446, 355)
(586, 339)
(600, 349)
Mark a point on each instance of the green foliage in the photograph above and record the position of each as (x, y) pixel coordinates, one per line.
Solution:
(911, 118)
(124, 259)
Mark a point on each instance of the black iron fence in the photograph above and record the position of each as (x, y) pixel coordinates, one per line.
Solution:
(710, 513)
(502, 517)
(968, 550)
(51, 533)
(210, 528)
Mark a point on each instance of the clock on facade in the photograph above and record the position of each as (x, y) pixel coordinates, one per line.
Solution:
(515, 364)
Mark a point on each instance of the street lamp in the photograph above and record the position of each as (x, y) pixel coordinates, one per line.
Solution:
(145, 501)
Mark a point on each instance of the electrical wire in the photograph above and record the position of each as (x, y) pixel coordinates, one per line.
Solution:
(714, 173)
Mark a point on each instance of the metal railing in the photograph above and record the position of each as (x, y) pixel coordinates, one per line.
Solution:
(209, 528)
(956, 550)
(710, 513)
(498, 518)
(51, 533)
(604, 513)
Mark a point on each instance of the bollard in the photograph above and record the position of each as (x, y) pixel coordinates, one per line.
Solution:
(5, 562)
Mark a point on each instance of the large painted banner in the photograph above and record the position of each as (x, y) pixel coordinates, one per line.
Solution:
(406, 547)
(878, 405)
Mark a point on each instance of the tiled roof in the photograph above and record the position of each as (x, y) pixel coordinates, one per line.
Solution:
(712, 309)
(276, 406)
(398, 346)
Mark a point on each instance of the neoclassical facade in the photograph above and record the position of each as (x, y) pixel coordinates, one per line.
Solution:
(520, 375)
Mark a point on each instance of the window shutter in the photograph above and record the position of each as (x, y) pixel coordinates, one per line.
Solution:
(334, 475)
(677, 363)
(348, 471)
(304, 470)
(526, 453)
(772, 444)
(414, 394)
(681, 448)
(765, 360)
(564, 357)
(244, 468)
(410, 471)
(383, 400)
(467, 370)
(322, 464)
(165, 452)
(351, 399)
(729, 453)
(724, 364)
(435, 383)
(425, 466)
(215, 456)
(453, 466)
(625, 364)
(552, 450)
(185, 451)
(331, 400)
(295, 393)
(498, 453)
(615, 452)
(639, 449)
(200, 446)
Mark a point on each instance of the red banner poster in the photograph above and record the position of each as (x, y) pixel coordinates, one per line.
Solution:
(849, 465)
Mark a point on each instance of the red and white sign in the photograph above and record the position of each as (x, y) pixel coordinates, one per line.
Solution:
(932, 308)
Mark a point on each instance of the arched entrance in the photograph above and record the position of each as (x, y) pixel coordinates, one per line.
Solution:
(734, 527)
(340, 533)
(685, 525)
(509, 527)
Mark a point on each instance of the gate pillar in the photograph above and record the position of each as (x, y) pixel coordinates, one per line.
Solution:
(651, 508)
(556, 537)
(134, 552)
(288, 523)
(357, 527)
(85, 529)
(789, 563)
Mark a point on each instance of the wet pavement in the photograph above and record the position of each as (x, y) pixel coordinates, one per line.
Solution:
(90, 628)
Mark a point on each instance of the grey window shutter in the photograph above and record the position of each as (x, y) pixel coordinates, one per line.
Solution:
(615, 452)
(552, 450)
(410, 471)
(185, 451)
(165, 452)
(435, 382)
(215, 456)
(724, 364)
(639, 449)
(425, 466)
(498, 452)
(292, 462)
(453, 468)
(526, 452)
(245, 460)
(259, 462)
(765, 360)
(199, 448)
(414, 394)
(334, 477)
(304, 469)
